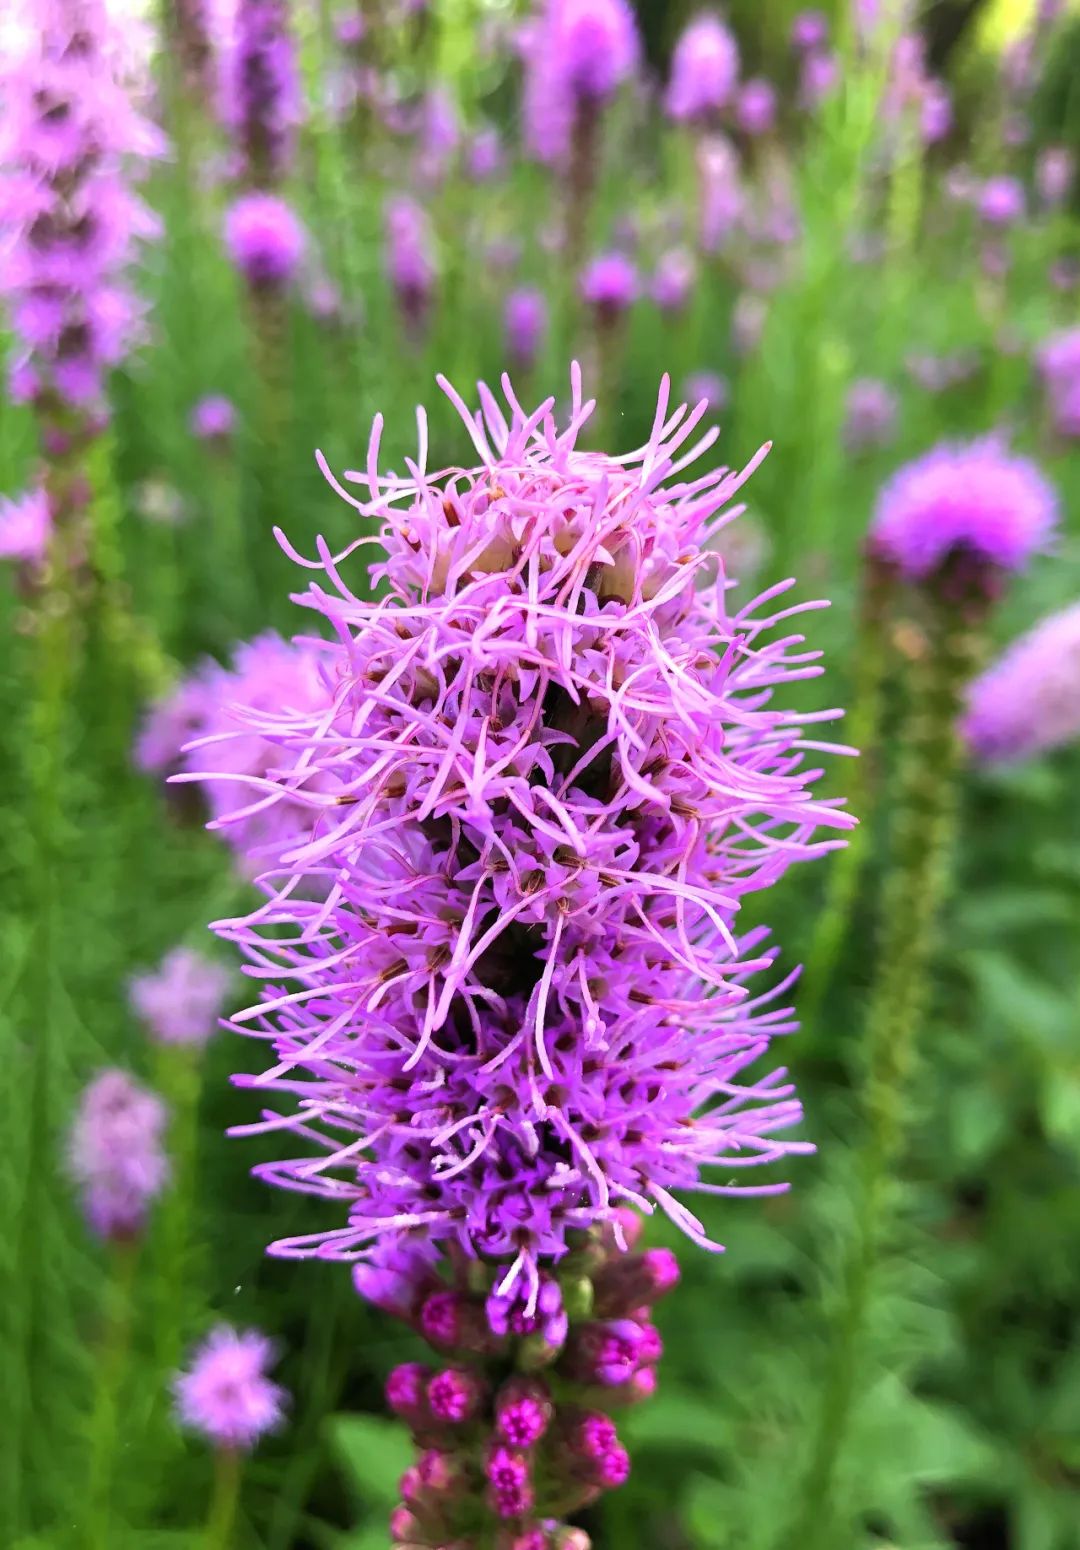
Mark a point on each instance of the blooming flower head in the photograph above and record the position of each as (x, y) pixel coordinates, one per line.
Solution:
(755, 106)
(577, 54)
(25, 526)
(544, 770)
(704, 70)
(225, 1394)
(115, 1153)
(213, 418)
(260, 89)
(181, 1001)
(972, 501)
(1028, 701)
(609, 285)
(69, 221)
(1001, 202)
(809, 30)
(869, 414)
(265, 239)
(525, 322)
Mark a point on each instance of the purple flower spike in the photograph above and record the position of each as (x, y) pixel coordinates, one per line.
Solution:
(225, 1394)
(525, 325)
(577, 55)
(755, 107)
(610, 286)
(213, 418)
(503, 975)
(115, 1153)
(1001, 202)
(410, 261)
(265, 239)
(1028, 701)
(869, 415)
(673, 281)
(973, 502)
(704, 70)
(260, 90)
(182, 1000)
(809, 30)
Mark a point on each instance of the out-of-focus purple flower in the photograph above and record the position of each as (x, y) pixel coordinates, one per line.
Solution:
(115, 1153)
(673, 280)
(709, 388)
(577, 54)
(819, 75)
(809, 31)
(971, 502)
(410, 262)
(721, 201)
(181, 1001)
(935, 113)
(225, 1395)
(350, 29)
(485, 157)
(260, 90)
(937, 373)
(870, 412)
(1059, 367)
(748, 319)
(1028, 701)
(704, 70)
(69, 222)
(609, 285)
(1001, 202)
(525, 323)
(1054, 172)
(440, 136)
(755, 106)
(213, 418)
(25, 527)
(265, 240)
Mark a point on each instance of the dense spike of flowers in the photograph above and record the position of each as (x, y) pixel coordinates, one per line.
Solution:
(225, 1395)
(500, 959)
(181, 1001)
(1059, 368)
(260, 90)
(69, 221)
(25, 525)
(721, 199)
(115, 1153)
(1028, 701)
(704, 70)
(265, 239)
(972, 502)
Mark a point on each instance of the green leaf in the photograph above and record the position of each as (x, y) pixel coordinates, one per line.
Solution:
(375, 1454)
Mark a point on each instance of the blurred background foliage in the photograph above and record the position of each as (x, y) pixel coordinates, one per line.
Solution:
(968, 1424)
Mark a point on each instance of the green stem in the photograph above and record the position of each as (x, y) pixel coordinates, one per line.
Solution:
(111, 1366)
(222, 1514)
(180, 1081)
(914, 891)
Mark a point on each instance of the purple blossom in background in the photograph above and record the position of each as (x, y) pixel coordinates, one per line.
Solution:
(970, 502)
(1059, 368)
(870, 412)
(704, 71)
(721, 201)
(748, 319)
(809, 31)
(440, 136)
(410, 262)
(819, 76)
(610, 286)
(225, 1395)
(115, 1153)
(755, 106)
(577, 54)
(182, 1000)
(673, 280)
(213, 418)
(25, 527)
(525, 323)
(1028, 701)
(707, 387)
(1001, 202)
(544, 769)
(1054, 173)
(265, 240)
(69, 222)
(485, 156)
(260, 90)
